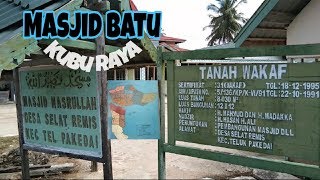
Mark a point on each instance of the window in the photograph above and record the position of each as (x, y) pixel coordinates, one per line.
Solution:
(120, 74)
(110, 74)
(152, 73)
(137, 73)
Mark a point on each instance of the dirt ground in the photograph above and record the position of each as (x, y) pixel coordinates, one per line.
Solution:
(8, 120)
(132, 164)
(133, 159)
(8, 143)
(138, 160)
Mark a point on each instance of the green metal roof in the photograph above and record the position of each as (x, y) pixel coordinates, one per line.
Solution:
(13, 48)
(11, 11)
(269, 23)
(11, 19)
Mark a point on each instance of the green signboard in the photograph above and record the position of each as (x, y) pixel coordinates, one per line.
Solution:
(266, 108)
(60, 110)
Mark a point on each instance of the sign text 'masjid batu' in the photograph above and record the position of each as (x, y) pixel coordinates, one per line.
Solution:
(266, 108)
(89, 24)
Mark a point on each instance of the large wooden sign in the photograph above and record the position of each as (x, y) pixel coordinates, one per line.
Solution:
(61, 111)
(265, 108)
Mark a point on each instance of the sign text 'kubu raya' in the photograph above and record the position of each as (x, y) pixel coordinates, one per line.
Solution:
(89, 25)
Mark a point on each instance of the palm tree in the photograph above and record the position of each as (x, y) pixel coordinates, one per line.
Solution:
(226, 22)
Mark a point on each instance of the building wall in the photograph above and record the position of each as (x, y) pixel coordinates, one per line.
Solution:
(305, 29)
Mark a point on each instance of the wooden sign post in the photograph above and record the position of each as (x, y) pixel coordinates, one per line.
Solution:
(61, 111)
(102, 6)
(23, 152)
(102, 78)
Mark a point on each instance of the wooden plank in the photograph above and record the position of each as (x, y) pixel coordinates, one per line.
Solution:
(18, 168)
(171, 102)
(24, 153)
(298, 169)
(271, 29)
(53, 170)
(266, 39)
(149, 47)
(279, 13)
(101, 48)
(39, 62)
(283, 17)
(254, 21)
(102, 78)
(94, 166)
(161, 141)
(210, 54)
(275, 23)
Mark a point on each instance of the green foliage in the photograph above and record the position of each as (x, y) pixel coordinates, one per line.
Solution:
(226, 21)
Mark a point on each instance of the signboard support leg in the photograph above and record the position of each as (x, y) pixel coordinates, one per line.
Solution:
(24, 153)
(106, 144)
(25, 164)
(161, 141)
(94, 166)
(171, 102)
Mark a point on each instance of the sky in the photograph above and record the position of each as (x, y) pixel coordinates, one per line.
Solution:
(186, 19)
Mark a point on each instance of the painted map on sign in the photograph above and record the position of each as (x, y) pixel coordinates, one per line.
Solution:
(133, 110)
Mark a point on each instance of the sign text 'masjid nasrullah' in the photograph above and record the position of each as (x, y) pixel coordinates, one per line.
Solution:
(67, 120)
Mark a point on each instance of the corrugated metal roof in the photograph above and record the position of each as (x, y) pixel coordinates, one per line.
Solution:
(171, 39)
(8, 28)
(13, 47)
(290, 6)
(269, 24)
(275, 23)
(11, 11)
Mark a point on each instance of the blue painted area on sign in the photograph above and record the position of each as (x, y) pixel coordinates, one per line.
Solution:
(133, 110)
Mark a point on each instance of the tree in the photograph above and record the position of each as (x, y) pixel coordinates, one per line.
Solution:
(226, 21)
